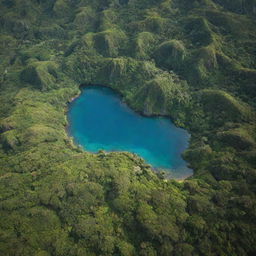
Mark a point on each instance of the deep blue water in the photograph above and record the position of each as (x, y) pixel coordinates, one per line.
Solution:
(98, 119)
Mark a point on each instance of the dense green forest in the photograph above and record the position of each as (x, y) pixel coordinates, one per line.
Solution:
(191, 60)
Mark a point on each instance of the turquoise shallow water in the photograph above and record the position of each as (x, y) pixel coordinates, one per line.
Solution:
(98, 119)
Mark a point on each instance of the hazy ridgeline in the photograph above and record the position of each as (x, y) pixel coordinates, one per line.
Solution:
(193, 61)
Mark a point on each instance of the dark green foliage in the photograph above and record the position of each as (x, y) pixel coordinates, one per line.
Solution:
(170, 54)
(108, 43)
(57, 199)
(199, 31)
(42, 74)
(239, 138)
(239, 6)
(144, 44)
(223, 107)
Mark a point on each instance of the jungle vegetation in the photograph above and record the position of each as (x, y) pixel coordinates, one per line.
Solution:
(192, 60)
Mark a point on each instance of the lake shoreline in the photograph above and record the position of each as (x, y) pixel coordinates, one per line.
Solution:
(138, 112)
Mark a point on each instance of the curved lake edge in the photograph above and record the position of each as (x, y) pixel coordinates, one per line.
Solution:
(165, 173)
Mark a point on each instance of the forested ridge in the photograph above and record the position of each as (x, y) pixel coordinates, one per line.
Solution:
(191, 60)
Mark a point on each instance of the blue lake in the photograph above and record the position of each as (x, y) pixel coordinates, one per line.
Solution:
(98, 119)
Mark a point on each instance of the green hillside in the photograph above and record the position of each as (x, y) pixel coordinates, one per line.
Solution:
(191, 60)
